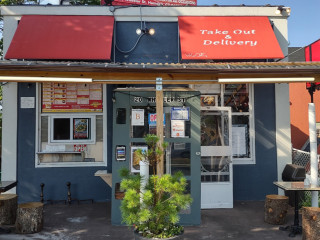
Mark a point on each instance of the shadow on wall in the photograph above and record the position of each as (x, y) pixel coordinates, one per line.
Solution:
(298, 137)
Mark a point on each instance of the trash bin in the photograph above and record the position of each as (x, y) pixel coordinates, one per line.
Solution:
(293, 173)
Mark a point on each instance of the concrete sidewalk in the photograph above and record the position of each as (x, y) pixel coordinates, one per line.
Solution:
(92, 221)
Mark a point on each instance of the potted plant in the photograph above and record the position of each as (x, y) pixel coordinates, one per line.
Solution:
(152, 204)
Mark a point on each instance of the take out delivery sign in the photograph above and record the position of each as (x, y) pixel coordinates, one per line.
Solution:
(228, 38)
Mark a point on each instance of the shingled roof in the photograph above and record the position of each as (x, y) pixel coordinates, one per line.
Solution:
(126, 72)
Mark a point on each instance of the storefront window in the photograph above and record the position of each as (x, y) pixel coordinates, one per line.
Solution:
(73, 129)
(61, 129)
(236, 96)
(71, 125)
(239, 97)
(178, 157)
(241, 137)
(143, 122)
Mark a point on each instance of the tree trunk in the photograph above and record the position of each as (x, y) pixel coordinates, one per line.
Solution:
(8, 208)
(310, 223)
(29, 217)
(275, 209)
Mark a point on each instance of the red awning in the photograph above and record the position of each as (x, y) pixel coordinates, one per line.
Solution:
(228, 38)
(312, 52)
(62, 37)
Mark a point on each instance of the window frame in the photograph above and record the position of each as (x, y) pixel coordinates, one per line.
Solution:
(250, 114)
(39, 114)
(92, 128)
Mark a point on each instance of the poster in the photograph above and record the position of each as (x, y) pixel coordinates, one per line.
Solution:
(180, 113)
(209, 100)
(239, 140)
(71, 97)
(152, 119)
(81, 128)
(135, 160)
(177, 128)
(137, 117)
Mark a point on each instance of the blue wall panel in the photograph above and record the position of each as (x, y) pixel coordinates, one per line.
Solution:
(84, 185)
(254, 182)
(162, 47)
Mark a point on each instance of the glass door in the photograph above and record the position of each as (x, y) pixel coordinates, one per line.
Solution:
(216, 158)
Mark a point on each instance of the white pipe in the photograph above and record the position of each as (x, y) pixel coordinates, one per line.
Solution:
(144, 173)
(313, 153)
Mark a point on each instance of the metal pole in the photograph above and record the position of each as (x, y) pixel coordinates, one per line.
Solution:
(313, 153)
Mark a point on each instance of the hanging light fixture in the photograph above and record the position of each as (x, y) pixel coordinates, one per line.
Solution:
(282, 9)
(149, 31)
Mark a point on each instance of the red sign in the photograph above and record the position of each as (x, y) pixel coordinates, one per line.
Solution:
(71, 97)
(154, 2)
(80, 148)
(228, 38)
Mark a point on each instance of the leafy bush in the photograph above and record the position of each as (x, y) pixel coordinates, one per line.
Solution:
(154, 210)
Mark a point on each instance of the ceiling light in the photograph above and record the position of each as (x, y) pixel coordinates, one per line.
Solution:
(265, 80)
(43, 79)
(282, 9)
(279, 10)
(138, 31)
(152, 31)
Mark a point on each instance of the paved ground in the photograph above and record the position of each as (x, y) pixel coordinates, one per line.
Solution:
(92, 221)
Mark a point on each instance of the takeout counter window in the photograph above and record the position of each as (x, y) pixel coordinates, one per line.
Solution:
(70, 125)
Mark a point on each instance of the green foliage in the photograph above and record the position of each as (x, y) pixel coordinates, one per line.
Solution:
(154, 210)
(306, 202)
(157, 213)
(15, 2)
(152, 156)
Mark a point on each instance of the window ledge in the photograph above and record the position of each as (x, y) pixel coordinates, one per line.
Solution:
(71, 164)
(58, 152)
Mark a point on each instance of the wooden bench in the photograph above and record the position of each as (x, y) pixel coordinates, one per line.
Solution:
(8, 208)
(29, 217)
(275, 209)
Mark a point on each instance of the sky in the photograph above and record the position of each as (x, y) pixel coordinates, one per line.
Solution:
(303, 28)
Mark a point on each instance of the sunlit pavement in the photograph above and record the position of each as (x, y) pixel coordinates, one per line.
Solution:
(92, 221)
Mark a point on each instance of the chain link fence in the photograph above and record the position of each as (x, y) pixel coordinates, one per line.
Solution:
(302, 158)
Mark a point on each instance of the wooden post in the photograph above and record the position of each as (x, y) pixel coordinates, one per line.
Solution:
(310, 223)
(29, 217)
(275, 209)
(8, 208)
(159, 111)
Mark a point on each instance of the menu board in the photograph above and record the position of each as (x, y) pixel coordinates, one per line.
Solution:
(71, 97)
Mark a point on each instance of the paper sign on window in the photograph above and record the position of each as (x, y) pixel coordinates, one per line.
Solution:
(177, 128)
(137, 117)
(180, 113)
